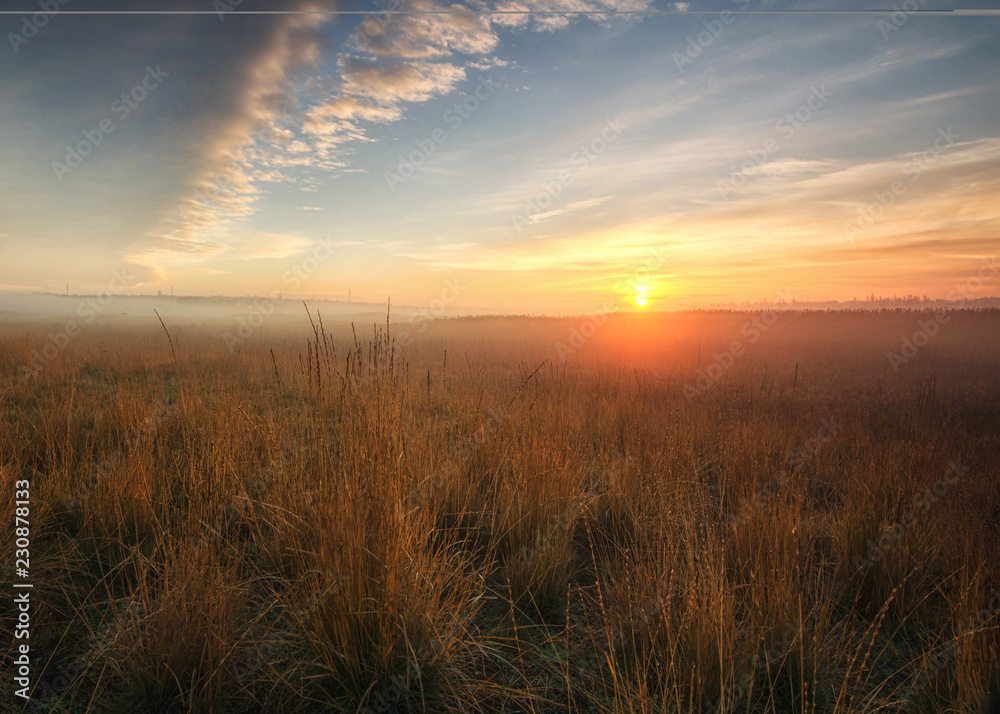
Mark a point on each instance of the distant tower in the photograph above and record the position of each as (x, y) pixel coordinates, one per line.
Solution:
(67, 289)
(171, 291)
(348, 294)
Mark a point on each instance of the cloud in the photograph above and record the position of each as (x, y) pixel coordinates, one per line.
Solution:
(369, 93)
(193, 247)
(248, 141)
(350, 108)
(521, 16)
(336, 122)
(584, 249)
(488, 64)
(785, 167)
(425, 36)
(406, 82)
(270, 246)
(329, 134)
(393, 60)
(142, 274)
(568, 208)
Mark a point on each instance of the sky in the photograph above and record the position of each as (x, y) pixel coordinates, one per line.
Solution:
(497, 159)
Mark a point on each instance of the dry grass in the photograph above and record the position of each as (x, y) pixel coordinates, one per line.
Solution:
(325, 521)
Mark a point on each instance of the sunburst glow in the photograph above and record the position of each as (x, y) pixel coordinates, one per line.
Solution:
(641, 300)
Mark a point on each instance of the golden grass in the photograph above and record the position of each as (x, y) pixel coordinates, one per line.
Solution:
(327, 521)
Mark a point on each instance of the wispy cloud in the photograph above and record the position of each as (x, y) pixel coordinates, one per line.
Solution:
(231, 159)
(426, 36)
(551, 21)
(568, 208)
(273, 131)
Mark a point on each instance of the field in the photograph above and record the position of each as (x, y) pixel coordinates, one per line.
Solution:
(678, 512)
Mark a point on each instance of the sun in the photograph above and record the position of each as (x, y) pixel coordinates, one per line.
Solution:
(641, 300)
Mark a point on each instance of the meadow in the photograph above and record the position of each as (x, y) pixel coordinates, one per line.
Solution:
(714, 511)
